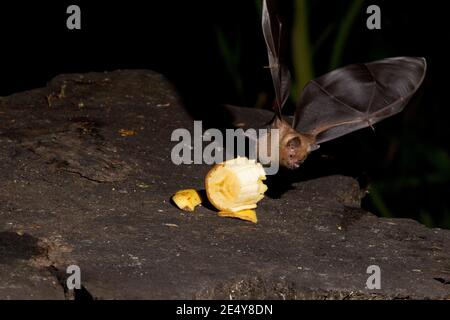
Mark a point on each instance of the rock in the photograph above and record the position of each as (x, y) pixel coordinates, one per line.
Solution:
(76, 191)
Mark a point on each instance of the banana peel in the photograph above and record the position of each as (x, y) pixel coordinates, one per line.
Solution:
(187, 199)
(247, 215)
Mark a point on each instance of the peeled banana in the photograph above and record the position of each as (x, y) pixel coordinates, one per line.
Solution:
(235, 185)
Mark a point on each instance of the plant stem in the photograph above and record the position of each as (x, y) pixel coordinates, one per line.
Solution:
(343, 33)
(301, 46)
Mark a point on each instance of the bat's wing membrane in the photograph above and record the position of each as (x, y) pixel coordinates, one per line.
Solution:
(357, 96)
(280, 73)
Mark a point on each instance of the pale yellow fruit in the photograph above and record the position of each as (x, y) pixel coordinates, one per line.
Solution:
(187, 199)
(235, 185)
(248, 215)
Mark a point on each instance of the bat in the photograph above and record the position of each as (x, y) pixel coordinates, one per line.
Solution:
(342, 101)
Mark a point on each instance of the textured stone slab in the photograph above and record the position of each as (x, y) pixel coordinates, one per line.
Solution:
(75, 191)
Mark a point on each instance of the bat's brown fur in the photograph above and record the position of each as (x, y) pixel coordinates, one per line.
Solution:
(294, 147)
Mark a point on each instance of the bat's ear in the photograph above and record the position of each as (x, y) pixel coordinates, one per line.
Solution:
(294, 142)
(313, 147)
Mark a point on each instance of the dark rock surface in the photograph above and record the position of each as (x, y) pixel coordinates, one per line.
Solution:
(73, 190)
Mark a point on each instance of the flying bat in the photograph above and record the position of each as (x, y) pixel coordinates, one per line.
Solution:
(339, 102)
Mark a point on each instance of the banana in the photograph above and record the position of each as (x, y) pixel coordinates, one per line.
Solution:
(235, 185)
(187, 199)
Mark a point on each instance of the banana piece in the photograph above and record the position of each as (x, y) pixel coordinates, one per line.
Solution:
(248, 215)
(235, 185)
(187, 199)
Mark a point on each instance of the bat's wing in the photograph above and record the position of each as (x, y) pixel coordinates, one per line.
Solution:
(357, 96)
(271, 27)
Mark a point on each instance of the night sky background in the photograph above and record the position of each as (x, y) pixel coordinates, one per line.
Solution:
(214, 53)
